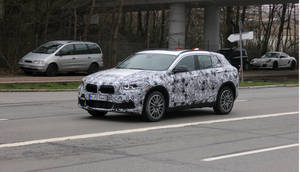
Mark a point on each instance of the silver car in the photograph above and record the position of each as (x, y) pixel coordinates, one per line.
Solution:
(275, 60)
(63, 56)
(150, 83)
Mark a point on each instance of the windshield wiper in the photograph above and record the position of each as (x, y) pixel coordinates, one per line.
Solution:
(136, 68)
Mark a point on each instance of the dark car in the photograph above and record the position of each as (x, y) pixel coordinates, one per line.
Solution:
(234, 57)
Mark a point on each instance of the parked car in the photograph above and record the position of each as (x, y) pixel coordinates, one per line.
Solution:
(63, 56)
(150, 83)
(233, 55)
(274, 60)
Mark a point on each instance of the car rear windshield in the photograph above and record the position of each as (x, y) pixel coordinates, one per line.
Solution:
(148, 61)
(47, 48)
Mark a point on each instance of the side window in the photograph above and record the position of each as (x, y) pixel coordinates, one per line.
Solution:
(81, 49)
(285, 55)
(215, 61)
(67, 50)
(94, 49)
(187, 62)
(204, 61)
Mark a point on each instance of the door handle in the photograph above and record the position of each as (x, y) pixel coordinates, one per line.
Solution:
(73, 58)
(89, 57)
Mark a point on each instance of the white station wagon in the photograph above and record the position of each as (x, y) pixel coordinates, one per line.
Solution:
(150, 83)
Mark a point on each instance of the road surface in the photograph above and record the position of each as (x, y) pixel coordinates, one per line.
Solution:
(46, 131)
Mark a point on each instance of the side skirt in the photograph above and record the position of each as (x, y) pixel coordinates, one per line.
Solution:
(201, 105)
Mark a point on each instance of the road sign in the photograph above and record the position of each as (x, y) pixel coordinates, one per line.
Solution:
(236, 37)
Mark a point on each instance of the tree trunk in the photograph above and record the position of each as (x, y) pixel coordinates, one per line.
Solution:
(288, 29)
(147, 36)
(75, 24)
(91, 13)
(295, 31)
(116, 34)
(162, 28)
(267, 30)
(48, 10)
(243, 14)
(259, 26)
(140, 25)
(282, 20)
(228, 26)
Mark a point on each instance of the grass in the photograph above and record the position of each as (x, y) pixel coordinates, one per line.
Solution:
(38, 86)
(74, 85)
(263, 83)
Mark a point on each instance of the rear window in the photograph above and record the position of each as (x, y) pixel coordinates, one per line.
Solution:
(93, 49)
(204, 61)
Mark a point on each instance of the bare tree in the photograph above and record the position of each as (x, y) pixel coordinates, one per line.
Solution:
(116, 34)
(282, 20)
(91, 13)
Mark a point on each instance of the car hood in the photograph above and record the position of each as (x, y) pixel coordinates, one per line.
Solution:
(121, 76)
(35, 56)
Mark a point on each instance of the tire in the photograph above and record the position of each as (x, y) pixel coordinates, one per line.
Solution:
(97, 114)
(275, 66)
(225, 101)
(93, 68)
(293, 65)
(154, 107)
(52, 70)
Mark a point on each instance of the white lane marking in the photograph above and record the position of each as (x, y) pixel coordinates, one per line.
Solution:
(110, 133)
(249, 152)
(241, 100)
(3, 119)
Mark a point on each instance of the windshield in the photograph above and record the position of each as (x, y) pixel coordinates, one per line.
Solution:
(271, 55)
(48, 48)
(147, 61)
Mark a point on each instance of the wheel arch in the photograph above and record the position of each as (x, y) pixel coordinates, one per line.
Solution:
(231, 85)
(53, 63)
(161, 89)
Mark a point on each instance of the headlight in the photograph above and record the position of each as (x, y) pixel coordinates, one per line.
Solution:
(38, 62)
(130, 87)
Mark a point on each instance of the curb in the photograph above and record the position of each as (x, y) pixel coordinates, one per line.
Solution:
(270, 86)
(70, 90)
(37, 90)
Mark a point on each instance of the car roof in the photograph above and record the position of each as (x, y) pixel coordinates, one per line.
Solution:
(70, 41)
(172, 52)
(274, 52)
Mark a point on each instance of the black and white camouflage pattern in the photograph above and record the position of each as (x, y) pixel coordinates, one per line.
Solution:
(188, 88)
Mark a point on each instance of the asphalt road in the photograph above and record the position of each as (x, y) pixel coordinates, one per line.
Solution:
(46, 131)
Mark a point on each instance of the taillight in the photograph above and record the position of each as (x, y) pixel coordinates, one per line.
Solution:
(102, 57)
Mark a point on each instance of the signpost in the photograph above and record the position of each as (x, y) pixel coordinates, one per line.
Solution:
(240, 37)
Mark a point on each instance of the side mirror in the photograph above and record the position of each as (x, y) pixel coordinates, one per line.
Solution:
(179, 69)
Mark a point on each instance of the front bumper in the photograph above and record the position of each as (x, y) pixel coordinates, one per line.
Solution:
(261, 65)
(32, 67)
(131, 102)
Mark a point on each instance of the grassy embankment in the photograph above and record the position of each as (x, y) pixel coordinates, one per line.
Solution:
(74, 85)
